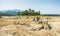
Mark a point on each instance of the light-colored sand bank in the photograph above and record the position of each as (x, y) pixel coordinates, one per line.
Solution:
(29, 26)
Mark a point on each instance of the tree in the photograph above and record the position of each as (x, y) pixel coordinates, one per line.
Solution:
(26, 12)
(30, 10)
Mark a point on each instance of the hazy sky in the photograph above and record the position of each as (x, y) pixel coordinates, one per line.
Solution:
(45, 6)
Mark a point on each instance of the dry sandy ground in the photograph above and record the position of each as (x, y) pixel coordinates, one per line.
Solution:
(25, 26)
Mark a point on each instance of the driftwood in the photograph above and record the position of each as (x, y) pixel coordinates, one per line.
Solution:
(46, 26)
(0, 16)
(36, 19)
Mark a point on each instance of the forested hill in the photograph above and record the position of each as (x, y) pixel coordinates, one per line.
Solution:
(12, 12)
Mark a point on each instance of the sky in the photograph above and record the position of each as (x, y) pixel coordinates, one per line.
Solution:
(44, 6)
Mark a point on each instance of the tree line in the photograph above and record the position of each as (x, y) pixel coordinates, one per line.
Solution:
(28, 12)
